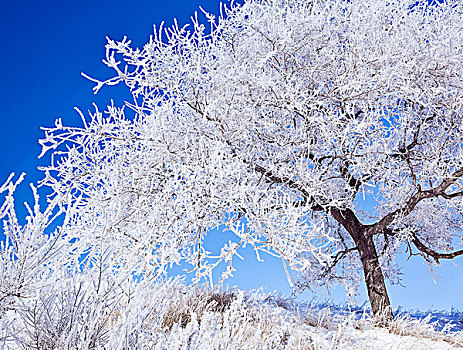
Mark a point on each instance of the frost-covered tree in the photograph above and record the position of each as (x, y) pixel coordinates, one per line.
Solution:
(326, 132)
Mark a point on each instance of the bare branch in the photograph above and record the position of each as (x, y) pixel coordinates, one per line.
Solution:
(291, 183)
(432, 253)
(337, 258)
(415, 199)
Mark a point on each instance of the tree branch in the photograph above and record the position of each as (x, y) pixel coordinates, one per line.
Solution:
(338, 257)
(453, 195)
(404, 151)
(432, 253)
(351, 180)
(291, 183)
(348, 219)
(415, 199)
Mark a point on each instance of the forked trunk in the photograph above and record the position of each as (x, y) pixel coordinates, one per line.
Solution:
(374, 280)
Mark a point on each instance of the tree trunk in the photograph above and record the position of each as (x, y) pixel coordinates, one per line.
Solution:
(374, 280)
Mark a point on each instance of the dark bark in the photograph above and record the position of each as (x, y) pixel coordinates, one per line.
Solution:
(374, 278)
(427, 252)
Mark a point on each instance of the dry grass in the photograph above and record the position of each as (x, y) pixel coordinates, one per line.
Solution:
(404, 325)
(173, 316)
(199, 302)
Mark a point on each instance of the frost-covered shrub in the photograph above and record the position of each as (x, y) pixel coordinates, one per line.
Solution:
(170, 315)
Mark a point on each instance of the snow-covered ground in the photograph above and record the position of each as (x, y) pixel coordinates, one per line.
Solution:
(174, 316)
(438, 319)
(258, 322)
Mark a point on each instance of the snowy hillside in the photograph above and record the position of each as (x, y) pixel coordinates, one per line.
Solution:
(174, 316)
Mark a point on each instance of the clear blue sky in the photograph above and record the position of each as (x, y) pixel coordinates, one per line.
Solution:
(45, 45)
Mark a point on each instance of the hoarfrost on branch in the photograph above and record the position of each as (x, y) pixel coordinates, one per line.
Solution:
(327, 133)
